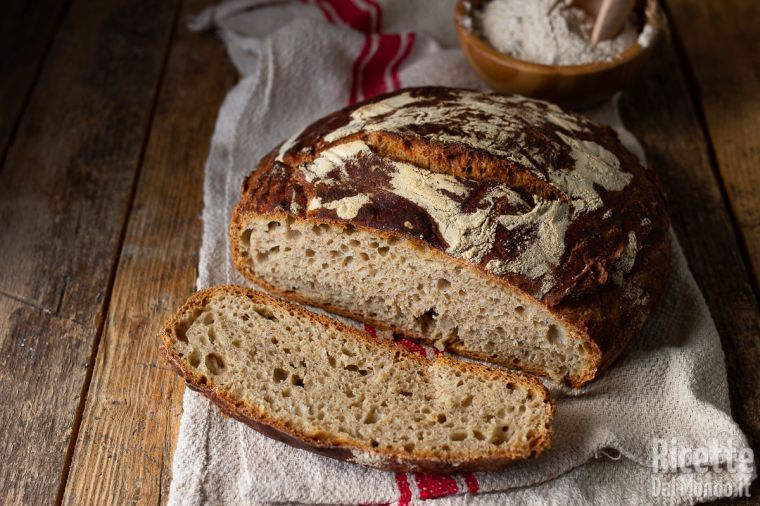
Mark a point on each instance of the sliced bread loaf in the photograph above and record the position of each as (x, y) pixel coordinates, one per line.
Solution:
(319, 385)
(501, 228)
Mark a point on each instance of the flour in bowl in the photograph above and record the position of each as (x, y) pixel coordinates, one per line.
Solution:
(534, 31)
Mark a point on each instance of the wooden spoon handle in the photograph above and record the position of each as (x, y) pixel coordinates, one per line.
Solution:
(610, 19)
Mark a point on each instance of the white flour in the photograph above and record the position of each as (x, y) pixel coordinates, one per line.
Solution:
(525, 29)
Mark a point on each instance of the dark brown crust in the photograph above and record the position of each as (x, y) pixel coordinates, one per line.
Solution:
(584, 296)
(343, 449)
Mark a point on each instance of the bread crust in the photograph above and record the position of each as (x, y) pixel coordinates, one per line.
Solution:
(330, 446)
(603, 305)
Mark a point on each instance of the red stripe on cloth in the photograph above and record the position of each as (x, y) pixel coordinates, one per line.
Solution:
(378, 14)
(432, 486)
(472, 483)
(410, 39)
(325, 12)
(352, 15)
(357, 70)
(370, 330)
(404, 491)
(412, 346)
(373, 76)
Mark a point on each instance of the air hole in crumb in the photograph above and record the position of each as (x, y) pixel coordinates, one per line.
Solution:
(279, 375)
(272, 225)
(458, 436)
(194, 358)
(208, 319)
(467, 401)
(236, 343)
(211, 335)
(347, 260)
(330, 360)
(182, 332)
(265, 312)
(519, 310)
(409, 447)
(374, 444)
(552, 335)
(496, 440)
(504, 428)
(441, 418)
(309, 252)
(285, 392)
(478, 435)
(426, 320)
(370, 417)
(364, 256)
(296, 380)
(214, 363)
(294, 234)
(354, 242)
(245, 317)
(351, 367)
(443, 283)
(383, 251)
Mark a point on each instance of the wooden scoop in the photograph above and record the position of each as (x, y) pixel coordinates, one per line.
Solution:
(610, 15)
(611, 19)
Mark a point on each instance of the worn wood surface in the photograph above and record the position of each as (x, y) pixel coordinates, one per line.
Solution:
(65, 190)
(721, 41)
(129, 428)
(105, 169)
(26, 29)
(668, 127)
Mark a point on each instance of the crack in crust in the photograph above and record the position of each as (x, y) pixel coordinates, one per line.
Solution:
(548, 202)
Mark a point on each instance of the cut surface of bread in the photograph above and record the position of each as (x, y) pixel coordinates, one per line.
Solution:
(499, 227)
(317, 384)
(403, 285)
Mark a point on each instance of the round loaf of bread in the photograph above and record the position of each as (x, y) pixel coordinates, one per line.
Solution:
(500, 228)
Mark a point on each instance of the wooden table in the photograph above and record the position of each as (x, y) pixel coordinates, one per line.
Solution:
(107, 111)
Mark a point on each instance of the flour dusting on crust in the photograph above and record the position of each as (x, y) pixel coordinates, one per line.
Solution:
(505, 230)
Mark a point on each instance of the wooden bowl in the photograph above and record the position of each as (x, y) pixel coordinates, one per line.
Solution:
(575, 86)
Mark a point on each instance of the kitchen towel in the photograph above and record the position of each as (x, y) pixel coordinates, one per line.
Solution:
(616, 440)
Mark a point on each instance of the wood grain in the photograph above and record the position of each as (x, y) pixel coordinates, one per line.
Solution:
(722, 43)
(65, 189)
(26, 29)
(659, 112)
(131, 419)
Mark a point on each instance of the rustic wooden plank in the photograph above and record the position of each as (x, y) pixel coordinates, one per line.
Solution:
(722, 42)
(26, 29)
(659, 112)
(65, 190)
(129, 426)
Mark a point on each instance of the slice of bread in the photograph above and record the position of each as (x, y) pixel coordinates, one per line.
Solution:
(319, 385)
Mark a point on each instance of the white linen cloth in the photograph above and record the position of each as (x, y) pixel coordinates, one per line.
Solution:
(302, 59)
